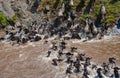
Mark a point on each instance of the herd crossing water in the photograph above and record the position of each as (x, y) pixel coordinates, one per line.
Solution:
(65, 46)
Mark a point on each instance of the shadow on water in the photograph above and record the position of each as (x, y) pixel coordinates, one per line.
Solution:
(80, 5)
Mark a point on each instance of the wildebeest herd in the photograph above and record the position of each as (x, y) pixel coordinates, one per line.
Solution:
(67, 27)
(64, 26)
(79, 63)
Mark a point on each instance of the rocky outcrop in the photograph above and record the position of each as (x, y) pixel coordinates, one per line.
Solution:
(5, 8)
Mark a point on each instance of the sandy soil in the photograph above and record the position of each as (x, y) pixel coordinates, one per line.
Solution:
(30, 61)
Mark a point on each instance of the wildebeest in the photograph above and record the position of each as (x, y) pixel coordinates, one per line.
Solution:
(89, 6)
(49, 52)
(28, 2)
(69, 17)
(60, 13)
(118, 23)
(94, 30)
(54, 62)
(81, 57)
(88, 61)
(68, 70)
(116, 72)
(56, 4)
(112, 62)
(99, 73)
(68, 59)
(71, 2)
(85, 73)
(60, 53)
(105, 68)
(73, 15)
(94, 66)
(73, 49)
(80, 5)
(54, 47)
(87, 27)
(9, 27)
(63, 7)
(77, 65)
(103, 11)
(35, 6)
(62, 45)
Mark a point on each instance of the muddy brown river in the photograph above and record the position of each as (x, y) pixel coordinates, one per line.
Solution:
(30, 61)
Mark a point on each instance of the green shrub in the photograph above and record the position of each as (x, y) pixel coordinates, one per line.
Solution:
(6, 21)
(3, 20)
(110, 18)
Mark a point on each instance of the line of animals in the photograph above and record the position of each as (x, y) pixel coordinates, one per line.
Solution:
(66, 27)
(81, 64)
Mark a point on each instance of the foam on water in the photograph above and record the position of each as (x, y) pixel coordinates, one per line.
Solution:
(20, 55)
(31, 43)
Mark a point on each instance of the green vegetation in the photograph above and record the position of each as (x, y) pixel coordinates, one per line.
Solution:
(112, 9)
(6, 21)
(3, 20)
(85, 16)
(110, 19)
(113, 12)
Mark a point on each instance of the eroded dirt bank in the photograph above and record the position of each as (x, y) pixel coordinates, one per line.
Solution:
(30, 61)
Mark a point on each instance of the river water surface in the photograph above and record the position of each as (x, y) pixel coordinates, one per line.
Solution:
(30, 61)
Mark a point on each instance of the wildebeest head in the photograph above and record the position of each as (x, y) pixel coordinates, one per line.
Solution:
(71, 2)
(103, 10)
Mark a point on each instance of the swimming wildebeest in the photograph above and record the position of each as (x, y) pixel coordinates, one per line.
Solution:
(75, 35)
(68, 59)
(81, 57)
(68, 56)
(73, 49)
(60, 53)
(62, 45)
(49, 52)
(116, 72)
(99, 73)
(77, 65)
(54, 47)
(105, 68)
(88, 61)
(94, 66)
(54, 62)
(68, 70)
(112, 62)
(85, 73)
